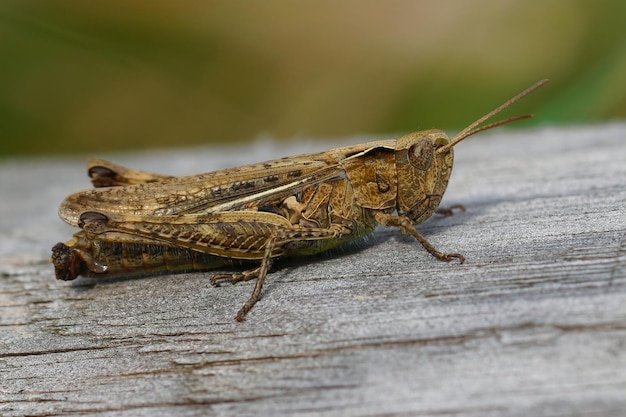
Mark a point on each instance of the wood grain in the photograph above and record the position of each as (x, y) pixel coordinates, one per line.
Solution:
(533, 324)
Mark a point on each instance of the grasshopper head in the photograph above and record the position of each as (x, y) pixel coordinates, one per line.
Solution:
(424, 162)
(423, 173)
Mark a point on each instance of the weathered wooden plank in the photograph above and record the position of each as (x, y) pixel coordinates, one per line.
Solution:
(534, 323)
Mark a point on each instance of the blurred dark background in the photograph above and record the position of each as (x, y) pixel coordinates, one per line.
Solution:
(93, 76)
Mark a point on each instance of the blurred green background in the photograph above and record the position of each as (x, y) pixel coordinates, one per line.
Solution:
(93, 76)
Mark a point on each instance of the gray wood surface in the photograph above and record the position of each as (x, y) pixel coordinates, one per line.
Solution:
(533, 324)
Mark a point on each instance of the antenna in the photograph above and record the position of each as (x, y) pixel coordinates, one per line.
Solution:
(471, 129)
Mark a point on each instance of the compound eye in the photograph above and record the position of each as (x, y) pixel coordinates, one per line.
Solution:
(100, 171)
(421, 154)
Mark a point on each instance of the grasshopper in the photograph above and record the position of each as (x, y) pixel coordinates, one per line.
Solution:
(135, 222)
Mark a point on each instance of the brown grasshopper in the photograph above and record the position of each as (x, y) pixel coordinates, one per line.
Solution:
(136, 222)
